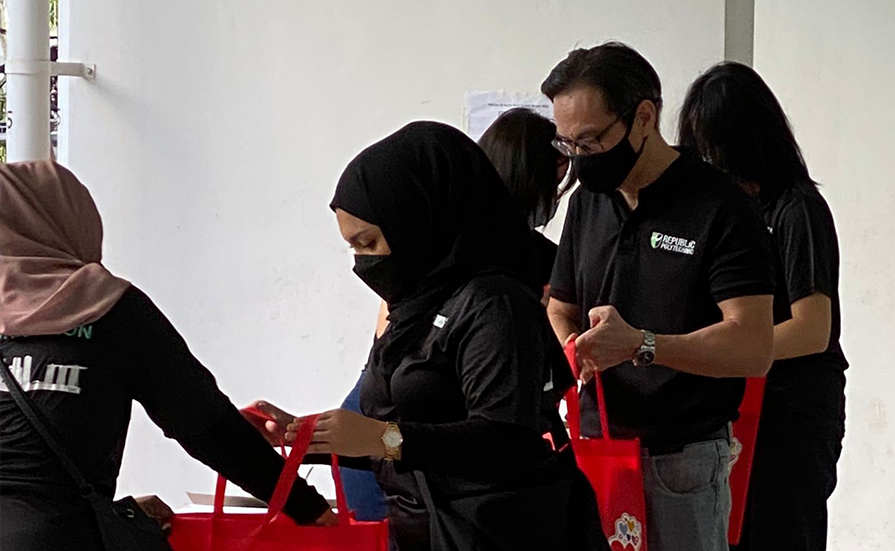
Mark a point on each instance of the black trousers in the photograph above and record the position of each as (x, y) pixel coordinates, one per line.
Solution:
(794, 471)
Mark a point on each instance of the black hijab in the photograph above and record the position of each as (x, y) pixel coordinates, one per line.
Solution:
(446, 216)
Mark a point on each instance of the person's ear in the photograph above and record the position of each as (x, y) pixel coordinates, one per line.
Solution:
(646, 116)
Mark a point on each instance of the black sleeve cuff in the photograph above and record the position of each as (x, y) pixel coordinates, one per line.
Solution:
(797, 295)
(743, 290)
(304, 504)
(237, 451)
(563, 295)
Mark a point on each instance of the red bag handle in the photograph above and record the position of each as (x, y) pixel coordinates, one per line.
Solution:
(290, 472)
(572, 397)
(257, 413)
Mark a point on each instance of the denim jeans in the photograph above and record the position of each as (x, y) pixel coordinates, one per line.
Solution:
(688, 497)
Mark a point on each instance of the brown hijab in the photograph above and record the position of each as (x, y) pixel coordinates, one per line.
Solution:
(51, 237)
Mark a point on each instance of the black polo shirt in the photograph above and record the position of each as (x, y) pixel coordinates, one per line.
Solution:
(694, 241)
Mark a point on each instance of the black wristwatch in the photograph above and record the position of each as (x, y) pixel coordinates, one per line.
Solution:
(646, 354)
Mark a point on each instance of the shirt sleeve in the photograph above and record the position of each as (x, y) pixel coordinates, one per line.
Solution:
(181, 396)
(741, 261)
(807, 241)
(562, 281)
(501, 363)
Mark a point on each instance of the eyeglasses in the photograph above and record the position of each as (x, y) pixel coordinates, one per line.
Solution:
(587, 145)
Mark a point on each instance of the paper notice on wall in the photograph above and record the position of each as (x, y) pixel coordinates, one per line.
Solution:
(482, 108)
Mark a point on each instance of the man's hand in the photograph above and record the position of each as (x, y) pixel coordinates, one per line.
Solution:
(609, 342)
(157, 509)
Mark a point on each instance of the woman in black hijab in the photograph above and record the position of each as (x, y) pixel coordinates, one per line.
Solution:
(460, 398)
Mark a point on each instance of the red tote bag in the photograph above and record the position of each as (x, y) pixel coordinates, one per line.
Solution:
(742, 452)
(615, 471)
(273, 531)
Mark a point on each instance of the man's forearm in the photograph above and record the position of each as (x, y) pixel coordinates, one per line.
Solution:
(562, 325)
(726, 349)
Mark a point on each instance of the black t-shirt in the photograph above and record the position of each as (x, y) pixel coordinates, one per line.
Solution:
(694, 241)
(84, 381)
(805, 234)
(474, 405)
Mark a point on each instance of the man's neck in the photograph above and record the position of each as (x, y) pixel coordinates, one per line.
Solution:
(657, 156)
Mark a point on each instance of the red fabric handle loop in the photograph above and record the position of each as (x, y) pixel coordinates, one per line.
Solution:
(290, 472)
(571, 351)
(341, 501)
(572, 403)
(290, 469)
(255, 412)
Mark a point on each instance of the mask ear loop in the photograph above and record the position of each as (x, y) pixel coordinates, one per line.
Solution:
(631, 123)
(630, 127)
(642, 145)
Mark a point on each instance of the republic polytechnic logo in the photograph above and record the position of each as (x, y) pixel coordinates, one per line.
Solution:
(665, 242)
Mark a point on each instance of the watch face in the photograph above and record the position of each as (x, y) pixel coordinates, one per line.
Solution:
(392, 438)
(646, 357)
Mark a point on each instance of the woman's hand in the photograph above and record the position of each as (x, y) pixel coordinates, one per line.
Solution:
(274, 431)
(344, 432)
(157, 509)
(327, 519)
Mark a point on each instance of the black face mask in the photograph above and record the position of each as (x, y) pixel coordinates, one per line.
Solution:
(605, 172)
(383, 274)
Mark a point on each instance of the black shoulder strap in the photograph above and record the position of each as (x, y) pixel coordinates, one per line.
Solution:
(36, 420)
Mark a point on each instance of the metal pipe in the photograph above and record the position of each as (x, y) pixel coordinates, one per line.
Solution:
(739, 30)
(28, 80)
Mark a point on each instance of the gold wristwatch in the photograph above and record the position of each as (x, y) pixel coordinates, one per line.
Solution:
(392, 439)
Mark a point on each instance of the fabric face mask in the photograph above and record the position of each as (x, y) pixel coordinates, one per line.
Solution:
(383, 275)
(605, 172)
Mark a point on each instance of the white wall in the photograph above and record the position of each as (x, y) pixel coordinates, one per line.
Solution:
(215, 131)
(831, 65)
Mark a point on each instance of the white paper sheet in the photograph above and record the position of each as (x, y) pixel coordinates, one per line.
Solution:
(482, 108)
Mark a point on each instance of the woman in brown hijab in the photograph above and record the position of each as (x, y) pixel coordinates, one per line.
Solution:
(83, 344)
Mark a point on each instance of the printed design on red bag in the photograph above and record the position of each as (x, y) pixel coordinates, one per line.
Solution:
(736, 450)
(628, 532)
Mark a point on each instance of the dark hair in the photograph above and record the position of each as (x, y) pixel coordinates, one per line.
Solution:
(731, 118)
(623, 76)
(518, 144)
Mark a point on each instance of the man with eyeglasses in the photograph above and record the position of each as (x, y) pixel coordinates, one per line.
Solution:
(664, 277)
